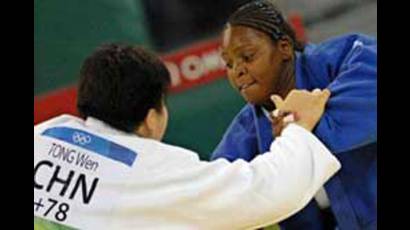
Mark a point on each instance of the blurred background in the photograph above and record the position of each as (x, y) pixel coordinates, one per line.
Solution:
(185, 33)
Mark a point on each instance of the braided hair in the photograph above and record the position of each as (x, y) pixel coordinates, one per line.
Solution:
(264, 16)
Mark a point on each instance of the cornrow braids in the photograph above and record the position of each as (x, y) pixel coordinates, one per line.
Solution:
(264, 16)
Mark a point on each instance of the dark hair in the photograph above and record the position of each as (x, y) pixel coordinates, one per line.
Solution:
(264, 16)
(119, 84)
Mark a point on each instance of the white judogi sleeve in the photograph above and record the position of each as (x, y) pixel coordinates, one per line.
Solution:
(194, 194)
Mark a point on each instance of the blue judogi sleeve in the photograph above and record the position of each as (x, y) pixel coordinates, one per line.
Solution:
(347, 66)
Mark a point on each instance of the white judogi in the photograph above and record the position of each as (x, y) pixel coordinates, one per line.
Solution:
(113, 180)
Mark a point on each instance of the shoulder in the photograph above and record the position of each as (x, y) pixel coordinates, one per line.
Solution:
(56, 121)
(337, 46)
(154, 148)
(161, 147)
(326, 58)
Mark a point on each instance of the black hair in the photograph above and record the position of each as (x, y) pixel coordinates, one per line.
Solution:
(264, 16)
(119, 84)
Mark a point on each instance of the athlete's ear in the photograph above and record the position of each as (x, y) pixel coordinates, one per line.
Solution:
(146, 128)
(151, 120)
(284, 46)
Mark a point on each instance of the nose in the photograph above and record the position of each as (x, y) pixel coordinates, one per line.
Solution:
(240, 70)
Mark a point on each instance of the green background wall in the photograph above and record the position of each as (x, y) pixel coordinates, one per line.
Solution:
(66, 31)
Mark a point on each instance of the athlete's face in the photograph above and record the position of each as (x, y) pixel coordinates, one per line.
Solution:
(254, 63)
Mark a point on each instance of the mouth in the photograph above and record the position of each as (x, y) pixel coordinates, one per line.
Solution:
(245, 86)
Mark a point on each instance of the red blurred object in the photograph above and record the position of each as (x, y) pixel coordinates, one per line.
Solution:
(296, 21)
(55, 103)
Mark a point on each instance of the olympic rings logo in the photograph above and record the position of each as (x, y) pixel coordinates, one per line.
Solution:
(81, 138)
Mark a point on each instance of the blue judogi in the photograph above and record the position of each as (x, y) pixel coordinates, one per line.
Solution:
(347, 66)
